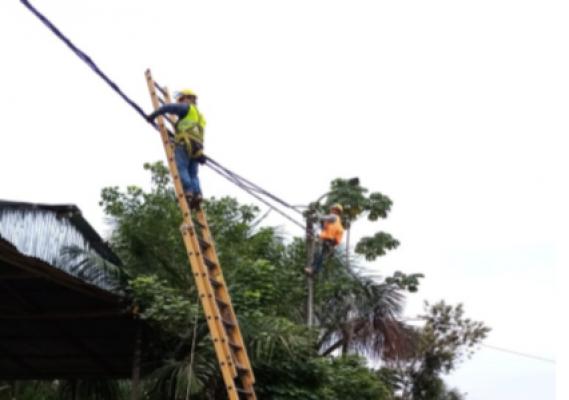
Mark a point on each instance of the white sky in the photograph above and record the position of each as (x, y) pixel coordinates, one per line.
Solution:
(454, 109)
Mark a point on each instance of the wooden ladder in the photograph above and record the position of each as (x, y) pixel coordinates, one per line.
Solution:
(214, 296)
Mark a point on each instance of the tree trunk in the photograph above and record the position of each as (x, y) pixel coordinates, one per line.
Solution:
(347, 340)
(74, 389)
(14, 390)
(135, 393)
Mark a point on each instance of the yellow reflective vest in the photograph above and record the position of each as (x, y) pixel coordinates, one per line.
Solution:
(190, 131)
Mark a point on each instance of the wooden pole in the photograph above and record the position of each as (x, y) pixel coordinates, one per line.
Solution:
(74, 389)
(309, 258)
(135, 385)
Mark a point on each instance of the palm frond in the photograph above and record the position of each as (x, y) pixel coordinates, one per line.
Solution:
(89, 266)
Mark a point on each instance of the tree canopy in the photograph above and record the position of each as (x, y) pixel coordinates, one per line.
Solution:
(359, 317)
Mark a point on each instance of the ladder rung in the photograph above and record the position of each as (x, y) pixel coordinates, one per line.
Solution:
(241, 368)
(245, 392)
(215, 283)
(204, 244)
(235, 346)
(209, 263)
(221, 302)
(160, 88)
(228, 323)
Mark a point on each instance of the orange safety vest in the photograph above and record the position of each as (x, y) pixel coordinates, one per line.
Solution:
(333, 231)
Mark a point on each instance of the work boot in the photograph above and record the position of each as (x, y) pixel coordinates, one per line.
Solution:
(196, 201)
(189, 198)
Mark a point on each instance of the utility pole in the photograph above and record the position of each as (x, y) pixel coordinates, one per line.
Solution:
(311, 218)
(310, 243)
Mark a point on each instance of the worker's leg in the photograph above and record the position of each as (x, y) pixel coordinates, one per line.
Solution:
(317, 260)
(194, 179)
(183, 165)
(326, 248)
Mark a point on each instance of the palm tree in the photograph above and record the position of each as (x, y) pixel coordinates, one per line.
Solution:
(359, 315)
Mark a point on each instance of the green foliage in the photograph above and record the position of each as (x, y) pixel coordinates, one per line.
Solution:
(350, 195)
(341, 375)
(448, 337)
(377, 206)
(359, 315)
(404, 281)
(373, 247)
(146, 235)
(88, 389)
(321, 379)
(357, 204)
(267, 284)
(445, 340)
(355, 314)
(169, 308)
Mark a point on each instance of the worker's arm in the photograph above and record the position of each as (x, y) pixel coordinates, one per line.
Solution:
(328, 218)
(175, 108)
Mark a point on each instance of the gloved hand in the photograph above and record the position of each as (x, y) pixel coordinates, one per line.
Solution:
(150, 119)
(201, 159)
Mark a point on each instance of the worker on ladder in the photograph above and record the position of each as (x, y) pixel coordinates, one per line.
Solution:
(330, 236)
(189, 140)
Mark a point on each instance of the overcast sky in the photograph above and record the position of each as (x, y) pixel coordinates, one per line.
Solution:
(456, 110)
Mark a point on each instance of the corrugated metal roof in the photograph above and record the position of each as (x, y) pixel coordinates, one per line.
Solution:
(60, 236)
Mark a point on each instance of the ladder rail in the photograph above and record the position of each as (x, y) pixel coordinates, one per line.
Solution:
(213, 293)
(242, 358)
(219, 337)
(211, 253)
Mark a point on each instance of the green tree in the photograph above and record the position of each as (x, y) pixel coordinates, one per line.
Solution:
(360, 314)
(266, 281)
(446, 339)
(357, 204)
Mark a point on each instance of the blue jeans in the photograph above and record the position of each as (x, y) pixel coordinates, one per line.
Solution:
(188, 170)
(325, 251)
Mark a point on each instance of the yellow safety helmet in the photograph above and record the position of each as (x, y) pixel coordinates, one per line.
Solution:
(337, 206)
(186, 92)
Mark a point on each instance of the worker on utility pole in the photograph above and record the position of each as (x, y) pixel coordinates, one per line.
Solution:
(189, 140)
(331, 234)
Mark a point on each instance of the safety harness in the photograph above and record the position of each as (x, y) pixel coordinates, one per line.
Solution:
(190, 132)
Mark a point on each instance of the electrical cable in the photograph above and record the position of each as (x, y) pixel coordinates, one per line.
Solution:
(514, 352)
(84, 57)
(255, 195)
(518, 353)
(243, 183)
(250, 187)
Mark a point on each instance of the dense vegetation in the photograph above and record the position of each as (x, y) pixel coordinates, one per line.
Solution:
(360, 348)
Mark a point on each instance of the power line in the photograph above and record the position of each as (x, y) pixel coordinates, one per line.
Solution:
(502, 349)
(223, 172)
(518, 353)
(251, 185)
(248, 186)
(84, 57)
